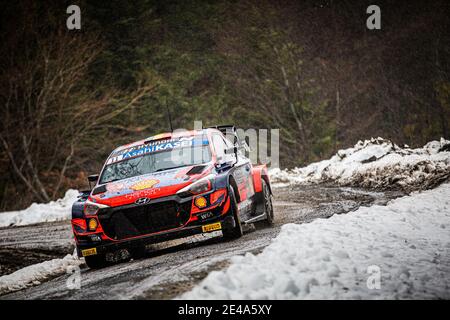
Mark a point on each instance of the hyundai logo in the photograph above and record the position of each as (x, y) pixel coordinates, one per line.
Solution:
(142, 201)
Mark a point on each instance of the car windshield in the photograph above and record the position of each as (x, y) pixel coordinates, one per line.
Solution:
(157, 161)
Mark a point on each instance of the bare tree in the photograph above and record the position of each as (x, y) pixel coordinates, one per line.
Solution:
(48, 108)
(267, 70)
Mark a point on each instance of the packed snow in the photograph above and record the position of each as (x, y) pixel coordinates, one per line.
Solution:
(377, 163)
(37, 273)
(41, 212)
(398, 251)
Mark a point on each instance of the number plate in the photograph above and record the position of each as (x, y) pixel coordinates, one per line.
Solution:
(212, 227)
(88, 252)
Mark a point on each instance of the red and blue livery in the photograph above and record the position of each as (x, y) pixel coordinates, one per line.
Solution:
(170, 186)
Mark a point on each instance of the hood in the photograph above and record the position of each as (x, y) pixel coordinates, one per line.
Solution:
(153, 185)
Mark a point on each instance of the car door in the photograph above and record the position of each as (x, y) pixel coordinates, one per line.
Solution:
(241, 170)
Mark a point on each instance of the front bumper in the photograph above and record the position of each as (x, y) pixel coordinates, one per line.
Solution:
(227, 221)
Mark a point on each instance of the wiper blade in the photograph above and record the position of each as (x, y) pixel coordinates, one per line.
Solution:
(116, 179)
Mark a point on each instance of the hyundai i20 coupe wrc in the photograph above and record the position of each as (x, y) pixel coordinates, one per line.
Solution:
(170, 186)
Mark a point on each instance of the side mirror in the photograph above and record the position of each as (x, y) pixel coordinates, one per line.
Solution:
(93, 178)
(84, 194)
(231, 150)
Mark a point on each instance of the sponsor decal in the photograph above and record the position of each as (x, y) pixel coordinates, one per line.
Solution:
(146, 193)
(212, 227)
(156, 146)
(89, 252)
(115, 187)
(145, 184)
(206, 215)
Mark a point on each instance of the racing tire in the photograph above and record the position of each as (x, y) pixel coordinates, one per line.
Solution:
(236, 231)
(96, 262)
(268, 206)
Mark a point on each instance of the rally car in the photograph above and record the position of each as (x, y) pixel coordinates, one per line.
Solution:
(170, 186)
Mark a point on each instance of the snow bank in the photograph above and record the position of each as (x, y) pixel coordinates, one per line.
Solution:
(37, 273)
(377, 163)
(406, 242)
(41, 212)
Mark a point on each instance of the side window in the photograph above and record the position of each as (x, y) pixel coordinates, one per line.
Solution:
(228, 143)
(219, 146)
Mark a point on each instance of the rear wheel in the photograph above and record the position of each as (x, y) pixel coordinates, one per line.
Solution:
(268, 207)
(236, 231)
(96, 262)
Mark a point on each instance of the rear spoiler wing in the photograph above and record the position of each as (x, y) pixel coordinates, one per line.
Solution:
(230, 132)
(224, 128)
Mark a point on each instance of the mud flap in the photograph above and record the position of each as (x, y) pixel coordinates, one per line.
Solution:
(259, 203)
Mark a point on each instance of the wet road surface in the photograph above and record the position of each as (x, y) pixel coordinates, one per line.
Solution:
(170, 269)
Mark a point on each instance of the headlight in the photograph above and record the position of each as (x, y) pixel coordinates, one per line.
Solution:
(91, 208)
(200, 186)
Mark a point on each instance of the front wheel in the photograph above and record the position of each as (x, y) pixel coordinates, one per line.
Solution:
(235, 231)
(138, 252)
(96, 262)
